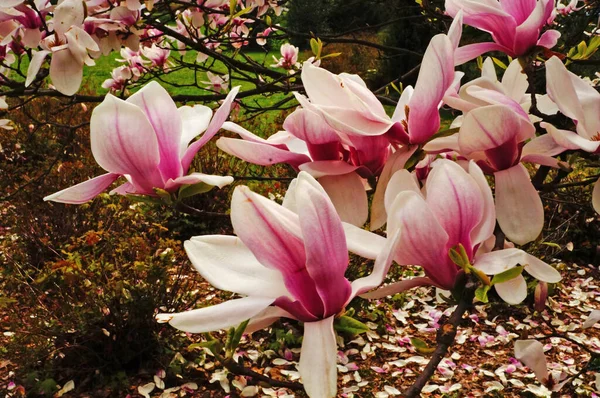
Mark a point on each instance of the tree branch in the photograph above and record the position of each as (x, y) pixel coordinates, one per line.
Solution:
(445, 338)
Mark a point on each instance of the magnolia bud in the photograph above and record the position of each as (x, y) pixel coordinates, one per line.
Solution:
(541, 295)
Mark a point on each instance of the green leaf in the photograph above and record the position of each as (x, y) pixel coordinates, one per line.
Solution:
(499, 63)
(237, 335)
(457, 258)
(316, 45)
(482, 292)
(445, 133)
(346, 324)
(331, 55)
(552, 244)
(190, 190)
(507, 275)
(4, 301)
(214, 346)
(421, 346)
(149, 200)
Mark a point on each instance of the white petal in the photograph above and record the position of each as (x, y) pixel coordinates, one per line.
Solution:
(362, 242)
(592, 319)
(531, 353)
(318, 359)
(217, 317)
(226, 263)
(513, 291)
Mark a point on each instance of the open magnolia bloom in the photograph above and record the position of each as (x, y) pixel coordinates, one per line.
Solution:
(339, 160)
(455, 207)
(494, 131)
(348, 105)
(146, 139)
(287, 261)
(488, 90)
(580, 102)
(515, 25)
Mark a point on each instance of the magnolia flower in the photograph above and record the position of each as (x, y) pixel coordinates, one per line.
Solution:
(261, 38)
(580, 102)
(287, 261)
(216, 83)
(337, 159)
(455, 207)
(120, 76)
(4, 123)
(158, 56)
(289, 57)
(146, 139)
(566, 9)
(531, 353)
(493, 132)
(515, 25)
(69, 54)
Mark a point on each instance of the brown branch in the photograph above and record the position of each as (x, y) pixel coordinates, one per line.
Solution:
(445, 338)
(238, 369)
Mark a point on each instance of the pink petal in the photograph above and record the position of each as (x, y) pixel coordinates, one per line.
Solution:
(549, 38)
(310, 126)
(514, 81)
(435, 77)
(123, 142)
(519, 9)
(217, 317)
(347, 192)
(528, 32)
(485, 229)
(84, 191)
(394, 163)
(419, 228)
(495, 262)
(261, 154)
(531, 353)
(162, 113)
(273, 235)
(215, 125)
(489, 127)
(318, 359)
(456, 200)
(519, 208)
(471, 51)
(324, 242)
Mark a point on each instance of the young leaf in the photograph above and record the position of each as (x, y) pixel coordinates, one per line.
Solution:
(421, 346)
(346, 324)
(482, 292)
(190, 190)
(507, 275)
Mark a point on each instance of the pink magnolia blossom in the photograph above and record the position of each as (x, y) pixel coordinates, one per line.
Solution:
(289, 57)
(515, 25)
(287, 261)
(493, 132)
(216, 83)
(336, 158)
(566, 9)
(580, 102)
(70, 51)
(146, 139)
(455, 207)
(120, 76)
(261, 38)
(158, 56)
